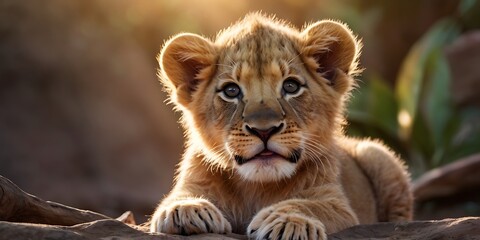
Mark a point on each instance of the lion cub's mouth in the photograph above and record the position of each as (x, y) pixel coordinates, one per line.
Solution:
(267, 155)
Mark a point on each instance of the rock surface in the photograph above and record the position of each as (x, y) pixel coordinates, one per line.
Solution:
(448, 180)
(450, 191)
(461, 228)
(24, 216)
(104, 229)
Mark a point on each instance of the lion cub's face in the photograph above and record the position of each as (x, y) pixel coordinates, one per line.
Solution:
(263, 97)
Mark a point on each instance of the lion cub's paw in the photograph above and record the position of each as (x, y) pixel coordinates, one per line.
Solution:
(190, 216)
(270, 224)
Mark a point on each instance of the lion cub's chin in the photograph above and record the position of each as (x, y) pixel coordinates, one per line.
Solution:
(266, 170)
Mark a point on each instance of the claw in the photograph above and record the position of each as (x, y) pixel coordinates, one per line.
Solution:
(267, 236)
(280, 234)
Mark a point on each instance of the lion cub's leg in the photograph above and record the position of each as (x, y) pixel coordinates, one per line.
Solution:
(390, 180)
(189, 216)
(324, 212)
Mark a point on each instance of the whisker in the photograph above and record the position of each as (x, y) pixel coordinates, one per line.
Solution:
(225, 65)
(317, 153)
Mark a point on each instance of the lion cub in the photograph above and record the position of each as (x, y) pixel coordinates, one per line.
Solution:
(262, 108)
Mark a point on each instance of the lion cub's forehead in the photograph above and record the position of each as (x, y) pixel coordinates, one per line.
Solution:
(258, 49)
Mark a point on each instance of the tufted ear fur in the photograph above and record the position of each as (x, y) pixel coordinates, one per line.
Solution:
(334, 50)
(185, 60)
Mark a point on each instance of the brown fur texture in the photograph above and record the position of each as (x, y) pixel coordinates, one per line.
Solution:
(262, 107)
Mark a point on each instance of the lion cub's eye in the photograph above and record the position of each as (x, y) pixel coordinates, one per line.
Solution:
(291, 85)
(231, 90)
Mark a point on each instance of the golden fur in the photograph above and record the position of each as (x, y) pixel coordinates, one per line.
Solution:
(262, 108)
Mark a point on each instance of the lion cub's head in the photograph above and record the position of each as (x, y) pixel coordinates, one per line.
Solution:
(263, 98)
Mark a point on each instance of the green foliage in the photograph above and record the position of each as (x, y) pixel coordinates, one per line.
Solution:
(418, 118)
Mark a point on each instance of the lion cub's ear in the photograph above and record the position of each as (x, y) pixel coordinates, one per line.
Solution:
(185, 60)
(334, 48)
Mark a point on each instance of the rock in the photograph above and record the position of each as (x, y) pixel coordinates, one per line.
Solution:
(460, 228)
(94, 230)
(19, 206)
(448, 180)
(24, 216)
(449, 191)
(104, 229)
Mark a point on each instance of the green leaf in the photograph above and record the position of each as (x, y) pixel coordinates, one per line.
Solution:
(466, 140)
(466, 5)
(437, 107)
(412, 73)
(375, 104)
(372, 113)
(468, 14)
(421, 140)
(382, 105)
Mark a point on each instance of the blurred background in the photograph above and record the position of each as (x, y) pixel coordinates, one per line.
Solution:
(83, 119)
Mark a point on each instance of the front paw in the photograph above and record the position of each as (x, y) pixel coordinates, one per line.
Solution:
(271, 224)
(189, 216)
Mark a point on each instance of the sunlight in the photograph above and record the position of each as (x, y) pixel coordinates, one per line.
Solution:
(404, 119)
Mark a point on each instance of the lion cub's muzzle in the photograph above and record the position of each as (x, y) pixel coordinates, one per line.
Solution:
(264, 122)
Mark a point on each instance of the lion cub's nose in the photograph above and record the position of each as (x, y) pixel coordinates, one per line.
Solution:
(264, 134)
